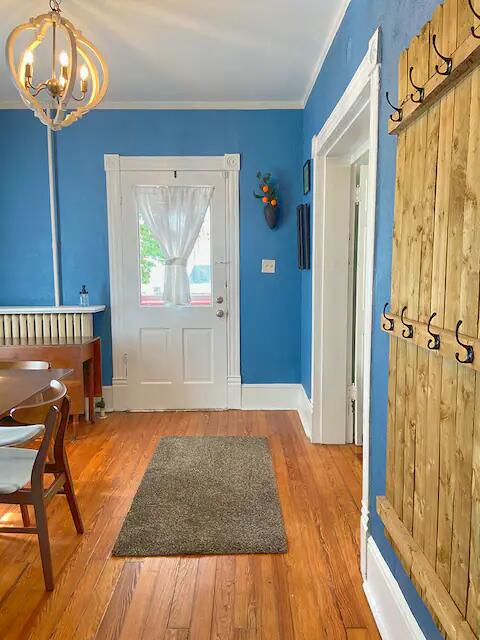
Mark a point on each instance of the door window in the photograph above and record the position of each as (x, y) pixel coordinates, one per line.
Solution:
(152, 268)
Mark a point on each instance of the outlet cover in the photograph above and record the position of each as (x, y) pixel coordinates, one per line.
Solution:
(268, 266)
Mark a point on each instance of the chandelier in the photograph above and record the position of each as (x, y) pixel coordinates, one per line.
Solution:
(78, 74)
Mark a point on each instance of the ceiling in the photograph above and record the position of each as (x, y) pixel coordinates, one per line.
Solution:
(244, 53)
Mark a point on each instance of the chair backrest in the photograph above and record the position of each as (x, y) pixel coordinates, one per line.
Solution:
(53, 439)
(24, 364)
(36, 409)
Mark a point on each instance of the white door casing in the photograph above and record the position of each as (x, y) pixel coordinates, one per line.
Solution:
(123, 172)
(333, 152)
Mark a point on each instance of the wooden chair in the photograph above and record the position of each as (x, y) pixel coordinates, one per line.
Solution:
(18, 467)
(33, 365)
(31, 413)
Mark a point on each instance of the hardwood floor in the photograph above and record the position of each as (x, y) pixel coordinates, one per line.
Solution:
(313, 591)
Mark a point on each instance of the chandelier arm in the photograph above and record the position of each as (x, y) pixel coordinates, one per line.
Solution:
(39, 89)
(79, 99)
(66, 27)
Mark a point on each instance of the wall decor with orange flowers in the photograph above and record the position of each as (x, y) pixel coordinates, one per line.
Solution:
(269, 196)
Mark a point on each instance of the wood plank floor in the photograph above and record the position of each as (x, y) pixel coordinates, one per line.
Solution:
(313, 591)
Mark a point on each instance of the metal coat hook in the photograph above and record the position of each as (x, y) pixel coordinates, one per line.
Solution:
(468, 348)
(408, 332)
(448, 61)
(419, 90)
(477, 15)
(399, 110)
(434, 344)
(391, 325)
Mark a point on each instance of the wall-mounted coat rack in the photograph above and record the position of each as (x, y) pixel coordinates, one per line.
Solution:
(448, 344)
(431, 510)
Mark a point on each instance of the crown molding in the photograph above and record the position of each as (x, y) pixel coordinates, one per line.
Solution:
(186, 106)
(323, 54)
(246, 105)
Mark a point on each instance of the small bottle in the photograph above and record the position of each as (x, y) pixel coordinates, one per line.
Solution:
(84, 297)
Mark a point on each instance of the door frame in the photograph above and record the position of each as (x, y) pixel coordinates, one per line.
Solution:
(229, 164)
(331, 194)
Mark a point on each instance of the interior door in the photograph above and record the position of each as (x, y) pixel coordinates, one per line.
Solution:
(175, 356)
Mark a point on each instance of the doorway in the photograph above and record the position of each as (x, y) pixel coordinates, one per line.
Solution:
(174, 282)
(356, 300)
(347, 136)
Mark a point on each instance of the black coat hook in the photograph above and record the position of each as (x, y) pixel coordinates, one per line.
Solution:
(408, 332)
(391, 325)
(434, 344)
(399, 111)
(468, 348)
(477, 15)
(419, 90)
(448, 61)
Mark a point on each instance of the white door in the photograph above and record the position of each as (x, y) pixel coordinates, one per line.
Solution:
(175, 356)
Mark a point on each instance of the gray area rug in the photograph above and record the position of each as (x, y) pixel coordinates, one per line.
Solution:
(205, 495)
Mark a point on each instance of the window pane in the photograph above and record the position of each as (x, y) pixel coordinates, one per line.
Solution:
(152, 269)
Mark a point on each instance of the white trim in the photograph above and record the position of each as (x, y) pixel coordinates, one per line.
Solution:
(241, 105)
(324, 52)
(275, 397)
(230, 165)
(361, 93)
(5, 311)
(260, 397)
(392, 614)
(229, 162)
(305, 411)
(279, 397)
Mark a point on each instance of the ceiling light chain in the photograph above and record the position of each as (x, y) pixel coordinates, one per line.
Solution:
(59, 88)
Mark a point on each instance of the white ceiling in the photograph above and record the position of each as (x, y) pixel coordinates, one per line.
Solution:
(196, 53)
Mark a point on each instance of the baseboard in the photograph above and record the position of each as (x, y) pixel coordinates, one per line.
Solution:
(270, 396)
(392, 614)
(267, 397)
(305, 411)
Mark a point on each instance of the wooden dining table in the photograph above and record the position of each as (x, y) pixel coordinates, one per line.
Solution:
(17, 385)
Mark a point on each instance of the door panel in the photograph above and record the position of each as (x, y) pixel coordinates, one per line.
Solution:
(177, 357)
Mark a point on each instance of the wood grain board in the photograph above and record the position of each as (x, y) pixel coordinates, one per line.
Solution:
(431, 511)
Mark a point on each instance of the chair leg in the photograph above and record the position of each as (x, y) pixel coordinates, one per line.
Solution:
(72, 501)
(44, 542)
(25, 515)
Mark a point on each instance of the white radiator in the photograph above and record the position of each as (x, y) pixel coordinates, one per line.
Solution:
(47, 323)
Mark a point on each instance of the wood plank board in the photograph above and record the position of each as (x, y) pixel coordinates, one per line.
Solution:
(435, 592)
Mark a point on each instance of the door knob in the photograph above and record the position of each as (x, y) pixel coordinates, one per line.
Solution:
(219, 300)
(220, 313)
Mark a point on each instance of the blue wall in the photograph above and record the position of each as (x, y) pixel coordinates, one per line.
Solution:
(266, 140)
(399, 22)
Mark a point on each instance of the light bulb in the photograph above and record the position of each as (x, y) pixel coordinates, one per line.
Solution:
(83, 72)
(64, 59)
(28, 57)
(62, 81)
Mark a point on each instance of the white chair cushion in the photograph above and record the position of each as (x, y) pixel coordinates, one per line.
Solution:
(18, 435)
(15, 468)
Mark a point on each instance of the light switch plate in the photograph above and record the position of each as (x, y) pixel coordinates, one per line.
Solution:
(268, 266)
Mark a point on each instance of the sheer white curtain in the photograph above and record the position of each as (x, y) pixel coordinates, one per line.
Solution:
(175, 216)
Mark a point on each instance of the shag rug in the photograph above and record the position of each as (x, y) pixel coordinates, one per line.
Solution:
(205, 495)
